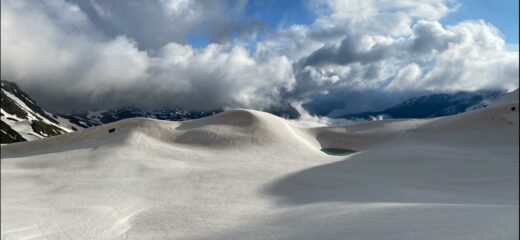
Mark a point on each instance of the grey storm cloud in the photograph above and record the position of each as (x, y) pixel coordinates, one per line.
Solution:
(431, 36)
(425, 38)
(81, 55)
(348, 52)
(158, 22)
(73, 65)
(468, 56)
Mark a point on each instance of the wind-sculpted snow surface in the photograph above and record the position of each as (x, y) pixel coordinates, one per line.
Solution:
(246, 174)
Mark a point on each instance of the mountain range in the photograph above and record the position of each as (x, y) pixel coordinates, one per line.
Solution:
(22, 119)
(433, 105)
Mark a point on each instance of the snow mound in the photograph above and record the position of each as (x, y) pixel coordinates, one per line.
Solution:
(230, 129)
(238, 128)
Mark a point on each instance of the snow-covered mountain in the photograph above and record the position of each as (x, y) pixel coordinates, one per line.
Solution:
(22, 119)
(434, 105)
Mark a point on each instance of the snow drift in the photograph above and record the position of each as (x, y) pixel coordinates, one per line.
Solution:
(246, 174)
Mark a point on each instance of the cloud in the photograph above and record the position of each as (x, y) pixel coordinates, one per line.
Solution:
(159, 22)
(354, 49)
(406, 77)
(476, 58)
(307, 119)
(219, 76)
(355, 56)
(420, 55)
(72, 66)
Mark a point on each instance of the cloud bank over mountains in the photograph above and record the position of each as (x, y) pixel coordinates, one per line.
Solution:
(73, 55)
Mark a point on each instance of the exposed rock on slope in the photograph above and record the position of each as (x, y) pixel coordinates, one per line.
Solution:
(22, 119)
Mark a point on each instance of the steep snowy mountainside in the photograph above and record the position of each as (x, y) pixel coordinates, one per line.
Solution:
(22, 119)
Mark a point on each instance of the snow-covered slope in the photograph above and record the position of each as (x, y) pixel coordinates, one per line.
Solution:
(246, 174)
(22, 119)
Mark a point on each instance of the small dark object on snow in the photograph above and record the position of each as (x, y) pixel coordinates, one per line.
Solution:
(111, 130)
(513, 108)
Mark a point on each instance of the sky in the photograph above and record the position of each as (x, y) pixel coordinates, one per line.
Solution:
(502, 14)
(324, 55)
